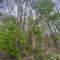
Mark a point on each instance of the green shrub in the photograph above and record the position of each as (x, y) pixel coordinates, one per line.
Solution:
(8, 37)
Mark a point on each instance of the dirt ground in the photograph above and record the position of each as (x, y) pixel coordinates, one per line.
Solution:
(5, 56)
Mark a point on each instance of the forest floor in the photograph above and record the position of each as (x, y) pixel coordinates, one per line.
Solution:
(5, 56)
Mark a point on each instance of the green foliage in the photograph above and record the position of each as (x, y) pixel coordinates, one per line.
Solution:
(10, 33)
(41, 54)
(23, 39)
(57, 37)
(8, 37)
(37, 32)
(54, 17)
(38, 54)
(43, 7)
(13, 40)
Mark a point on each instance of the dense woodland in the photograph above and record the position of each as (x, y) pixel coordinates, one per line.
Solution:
(29, 30)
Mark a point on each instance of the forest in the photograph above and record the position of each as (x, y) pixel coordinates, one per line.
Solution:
(29, 29)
